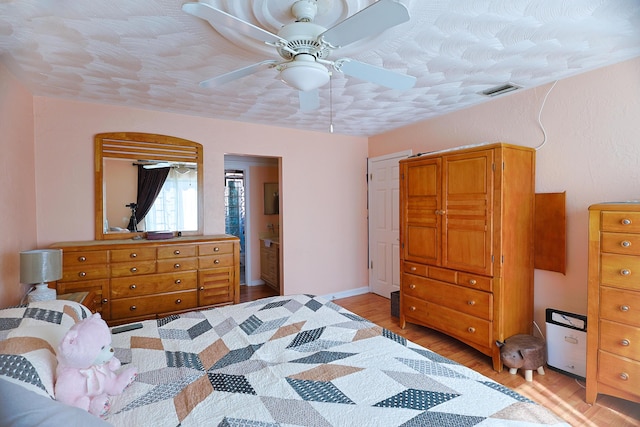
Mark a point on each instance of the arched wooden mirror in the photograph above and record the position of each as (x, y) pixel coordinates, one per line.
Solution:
(125, 159)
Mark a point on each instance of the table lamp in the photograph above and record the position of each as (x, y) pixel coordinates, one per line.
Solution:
(37, 267)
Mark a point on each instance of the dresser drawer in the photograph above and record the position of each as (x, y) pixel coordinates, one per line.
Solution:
(142, 306)
(136, 268)
(620, 306)
(215, 248)
(85, 272)
(468, 328)
(620, 243)
(622, 222)
(621, 271)
(170, 252)
(443, 274)
(619, 372)
(153, 284)
(133, 254)
(177, 264)
(620, 339)
(74, 259)
(475, 303)
(223, 260)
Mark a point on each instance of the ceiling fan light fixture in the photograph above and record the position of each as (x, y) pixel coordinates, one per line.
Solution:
(304, 73)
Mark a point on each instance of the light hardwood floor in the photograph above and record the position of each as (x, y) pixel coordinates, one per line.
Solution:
(558, 392)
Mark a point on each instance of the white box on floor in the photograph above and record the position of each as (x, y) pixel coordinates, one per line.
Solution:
(567, 342)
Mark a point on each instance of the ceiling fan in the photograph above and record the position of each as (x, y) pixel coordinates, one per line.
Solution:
(305, 46)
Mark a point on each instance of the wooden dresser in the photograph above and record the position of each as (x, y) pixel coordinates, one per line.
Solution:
(613, 332)
(466, 236)
(145, 279)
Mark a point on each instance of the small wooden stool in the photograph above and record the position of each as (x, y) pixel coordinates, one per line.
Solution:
(524, 352)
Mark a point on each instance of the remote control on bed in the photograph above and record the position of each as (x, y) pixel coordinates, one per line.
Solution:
(125, 328)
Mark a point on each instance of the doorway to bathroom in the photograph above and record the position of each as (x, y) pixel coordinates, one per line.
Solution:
(235, 212)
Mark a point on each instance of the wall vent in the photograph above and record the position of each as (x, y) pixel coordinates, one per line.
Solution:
(499, 90)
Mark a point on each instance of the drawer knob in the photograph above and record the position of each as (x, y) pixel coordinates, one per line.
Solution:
(133, 255)
(471, 329)
(176, 252)
(440, 212)
(216, 261)
(133, 308)
(412, 286)
(104, 301)
(413, 269)
(216, 249)
(472, 302)
(82, 259)
(178, 281)
(82, 274)
(472, 282)
(134, 269)
(132, 286)
(412, 308)
(202, 288)
(178, 301)
(176, 265)
(624, 376)
(624, 308)
(625, 272)
(626, 221)
(625, 342)
(625, 243)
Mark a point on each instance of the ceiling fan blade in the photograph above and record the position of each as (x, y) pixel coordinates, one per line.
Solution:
(218, 18)
(373, 74)
(370, 21)
(309, 100)
(237, 74)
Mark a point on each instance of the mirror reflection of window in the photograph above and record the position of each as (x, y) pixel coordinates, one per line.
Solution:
(175, 207)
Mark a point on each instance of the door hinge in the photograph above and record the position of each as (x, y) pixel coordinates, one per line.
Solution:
(371, 265)
(492, 259)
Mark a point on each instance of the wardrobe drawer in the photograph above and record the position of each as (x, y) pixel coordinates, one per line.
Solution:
(170, 252)
(216, 286)
(476, 282)
(620, 306)
(475, 303)
(443, 274)
(142, 306)
(620, 243)
(136, 268)
(178, 264)
(619, 372)
(622, 271)
(215, 248)
(417, 269)
(223, 260)
(622, 222)
(620, 339)
(133, 254)
(72, 259)
(153, 284)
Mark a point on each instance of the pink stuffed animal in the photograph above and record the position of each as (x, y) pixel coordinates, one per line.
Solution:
(86, 374)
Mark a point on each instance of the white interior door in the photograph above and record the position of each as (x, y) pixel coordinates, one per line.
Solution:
(384, 223)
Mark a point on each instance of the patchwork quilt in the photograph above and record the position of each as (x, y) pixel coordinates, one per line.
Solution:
(284, 361)
(301, 361)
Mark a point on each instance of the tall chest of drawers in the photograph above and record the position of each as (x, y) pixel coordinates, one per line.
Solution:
(144, 279)
(613, 333)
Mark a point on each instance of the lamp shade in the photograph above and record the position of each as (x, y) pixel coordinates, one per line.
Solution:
(304, 74)
(40, 266)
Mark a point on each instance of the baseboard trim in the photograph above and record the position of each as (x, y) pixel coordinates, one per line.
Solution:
(349, 293)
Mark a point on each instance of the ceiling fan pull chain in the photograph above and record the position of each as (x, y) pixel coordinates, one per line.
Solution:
(330, 101)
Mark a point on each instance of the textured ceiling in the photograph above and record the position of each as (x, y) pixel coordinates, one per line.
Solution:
(150, 54)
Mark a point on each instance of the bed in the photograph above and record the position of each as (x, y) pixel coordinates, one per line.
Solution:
(284, 361)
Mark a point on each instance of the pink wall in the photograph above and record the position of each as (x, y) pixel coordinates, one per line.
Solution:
(592, 153)
(312, 190)
(17, 184)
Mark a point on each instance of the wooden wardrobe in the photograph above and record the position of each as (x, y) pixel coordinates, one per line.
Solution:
(467, 245)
